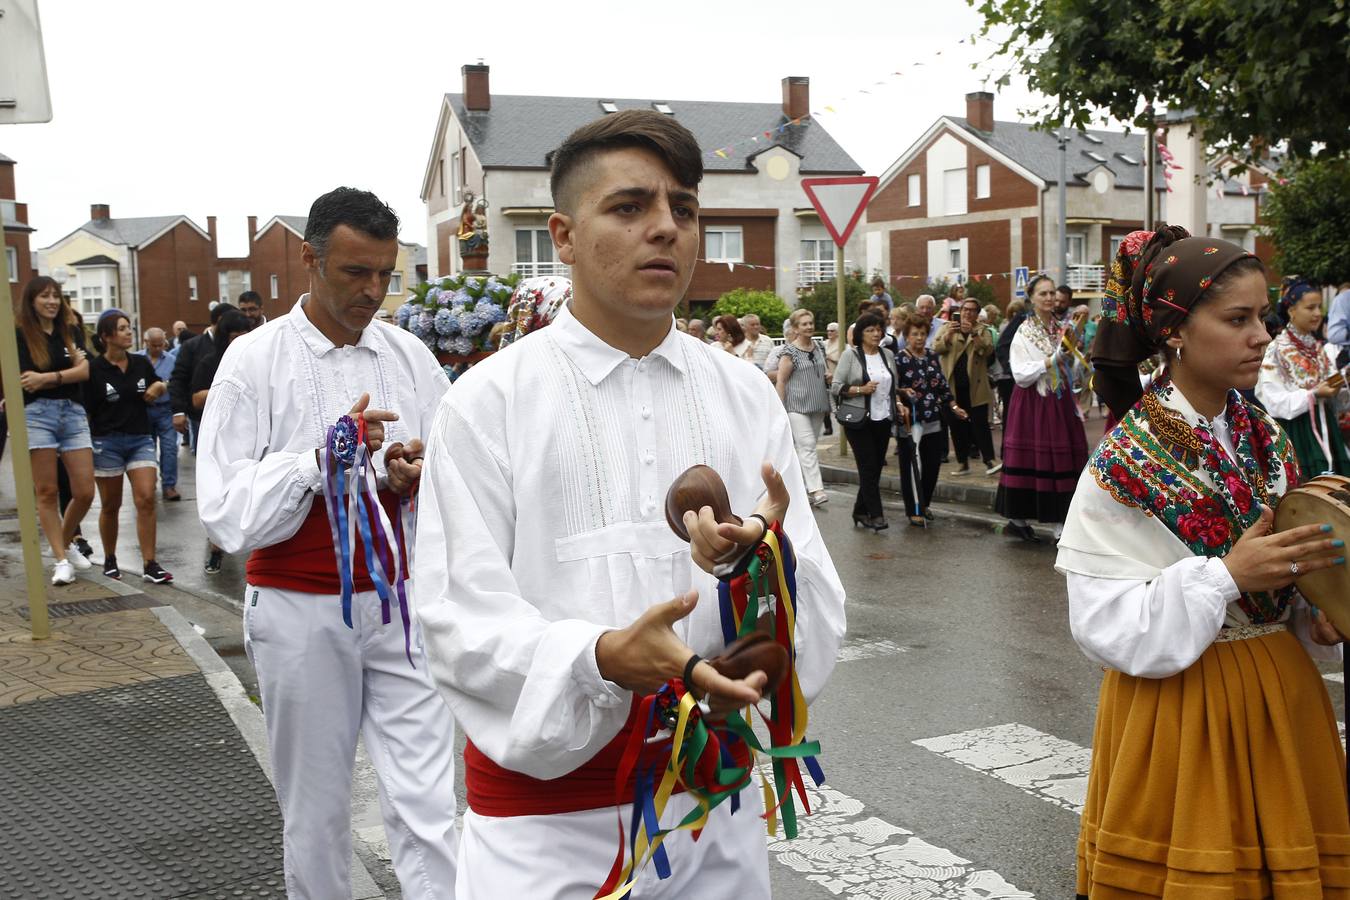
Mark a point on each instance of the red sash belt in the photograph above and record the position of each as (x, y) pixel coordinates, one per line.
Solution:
(495, 791)
(307, 561)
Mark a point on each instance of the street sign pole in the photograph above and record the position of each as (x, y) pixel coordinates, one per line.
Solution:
(840, 203)
(24, 98)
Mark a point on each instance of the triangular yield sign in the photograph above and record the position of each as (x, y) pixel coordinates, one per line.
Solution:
(840, 202)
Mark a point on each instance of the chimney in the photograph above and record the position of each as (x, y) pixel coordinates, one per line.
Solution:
(252, 229)
(980, 110)
(211, 228)
(99, 211)
(477, 97)
(796, 96)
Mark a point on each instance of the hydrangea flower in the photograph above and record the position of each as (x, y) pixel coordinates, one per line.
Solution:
(404, 313)
(445, 322)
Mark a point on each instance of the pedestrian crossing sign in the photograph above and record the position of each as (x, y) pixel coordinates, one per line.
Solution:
(1020, 277)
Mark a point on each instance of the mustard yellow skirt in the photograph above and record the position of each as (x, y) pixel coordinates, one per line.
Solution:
(1226, 780)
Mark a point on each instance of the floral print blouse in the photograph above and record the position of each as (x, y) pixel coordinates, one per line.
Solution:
(923, 375)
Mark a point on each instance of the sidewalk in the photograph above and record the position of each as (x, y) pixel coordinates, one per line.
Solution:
(969, 497)
(134, 760)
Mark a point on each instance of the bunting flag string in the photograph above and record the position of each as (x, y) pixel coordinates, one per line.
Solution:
(732, 266)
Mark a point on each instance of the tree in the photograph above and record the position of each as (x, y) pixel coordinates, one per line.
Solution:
(741, 302)
(822, 302)
(1255, 72)
(1308, 220)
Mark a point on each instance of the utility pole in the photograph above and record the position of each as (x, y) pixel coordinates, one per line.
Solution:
(1150, 162)
(1063, 207)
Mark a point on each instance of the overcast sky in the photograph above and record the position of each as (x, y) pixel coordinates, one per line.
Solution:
(258, 106)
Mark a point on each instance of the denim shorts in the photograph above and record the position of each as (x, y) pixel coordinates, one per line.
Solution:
(56, 425)
(118, 453)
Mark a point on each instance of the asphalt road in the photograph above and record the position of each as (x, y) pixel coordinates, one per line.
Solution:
(957, 640)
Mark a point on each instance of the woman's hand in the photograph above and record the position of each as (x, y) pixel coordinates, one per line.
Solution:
(960, 413)
(1326, 390)
(903, 412)
(155, 391)
(1262, 561)
(37, 381)
(868, 389)
(1322, 631)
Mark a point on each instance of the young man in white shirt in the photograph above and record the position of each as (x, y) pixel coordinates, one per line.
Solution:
(552, 591)
(278, 391)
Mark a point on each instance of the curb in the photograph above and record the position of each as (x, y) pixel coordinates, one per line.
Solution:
(247, 717)
(971, 504)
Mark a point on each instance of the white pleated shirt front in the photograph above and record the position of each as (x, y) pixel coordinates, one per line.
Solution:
(542, 525)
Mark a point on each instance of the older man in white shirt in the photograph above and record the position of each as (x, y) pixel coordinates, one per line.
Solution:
(323, 680)
(552, 591)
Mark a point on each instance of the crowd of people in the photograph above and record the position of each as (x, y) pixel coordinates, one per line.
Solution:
(98, 413)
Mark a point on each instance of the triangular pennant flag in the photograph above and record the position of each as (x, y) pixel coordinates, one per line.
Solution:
(721, 153)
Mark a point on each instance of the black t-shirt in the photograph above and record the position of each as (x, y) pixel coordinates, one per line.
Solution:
(115, 400)
(58, 360)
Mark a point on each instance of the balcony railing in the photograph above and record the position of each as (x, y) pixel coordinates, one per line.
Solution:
(814, 271)
(537, 269)
(1087, 278)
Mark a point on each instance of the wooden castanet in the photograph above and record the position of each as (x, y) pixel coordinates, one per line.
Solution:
(697, 487)
(1325, 500)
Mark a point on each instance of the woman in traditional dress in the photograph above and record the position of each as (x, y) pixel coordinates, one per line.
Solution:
(1044, 447)
(1299, 384)
(1217, 770)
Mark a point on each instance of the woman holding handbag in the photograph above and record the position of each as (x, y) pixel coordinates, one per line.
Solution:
(864, 392)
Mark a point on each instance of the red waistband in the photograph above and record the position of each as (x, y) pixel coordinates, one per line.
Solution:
(495, 791)
(307, 561)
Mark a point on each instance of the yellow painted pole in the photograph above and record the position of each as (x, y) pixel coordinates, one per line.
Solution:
(843, 325)
(23, 465)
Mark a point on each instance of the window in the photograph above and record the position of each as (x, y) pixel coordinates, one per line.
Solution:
(12, 260)
(224, 288)
(914, 190)
(248, 281)
(192, 287)
(1127, 158)
(276, 287)
(954, 256)
(1115, 244)
(663, 108)
(607, 107)
(91, 299)
(1095, 156)
(1092, 138)
(395, 283)
(440, 176)
(723, 244)
(1076, 246)
(9, 211)
(454, 180)
(954, 192)
(533, 245)
(818, 250)
(981, 182)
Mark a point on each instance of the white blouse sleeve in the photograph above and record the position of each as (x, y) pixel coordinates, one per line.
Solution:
(527, 690)
(1028, 363)
(248, 494)
(1154, 628)
(1280, 400)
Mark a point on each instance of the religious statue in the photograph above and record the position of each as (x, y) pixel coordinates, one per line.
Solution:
(473, 232)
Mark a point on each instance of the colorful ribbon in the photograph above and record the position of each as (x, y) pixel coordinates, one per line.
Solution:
(701, 758)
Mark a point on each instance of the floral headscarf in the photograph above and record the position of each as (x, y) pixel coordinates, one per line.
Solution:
(1156, 278)
(534, 304)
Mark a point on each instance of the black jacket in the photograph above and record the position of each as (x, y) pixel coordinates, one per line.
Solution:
(180, 382)
(1001, 350)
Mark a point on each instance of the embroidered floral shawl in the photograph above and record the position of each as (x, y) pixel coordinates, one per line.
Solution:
(1163, 460)
(1300, 360)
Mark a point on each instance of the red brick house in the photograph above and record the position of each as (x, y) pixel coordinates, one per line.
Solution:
(15, 215)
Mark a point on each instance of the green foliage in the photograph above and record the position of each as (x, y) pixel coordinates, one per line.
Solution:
(1254, 72)
(1308, 220)
(742, 302)
(823, 305)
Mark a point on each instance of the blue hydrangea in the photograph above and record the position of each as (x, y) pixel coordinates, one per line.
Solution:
(446, 343)
(492, 284)
(427, 324)
(403, 314)
(461, 345)
(492, 313)
(468, 322)
(445, 322)
(461, 297)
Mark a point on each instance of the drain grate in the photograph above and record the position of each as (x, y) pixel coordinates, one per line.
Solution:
(73, 608)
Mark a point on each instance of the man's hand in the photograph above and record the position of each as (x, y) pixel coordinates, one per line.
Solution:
(375, 419)
(647, 654)
(180, 423)
(1322, 631)
(404, 465)
(712, 543)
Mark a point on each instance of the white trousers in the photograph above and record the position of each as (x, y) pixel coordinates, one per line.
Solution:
(805, 435)
(568, 856)
(322, 683)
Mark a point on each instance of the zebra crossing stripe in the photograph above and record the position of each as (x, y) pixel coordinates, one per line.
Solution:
(852, 854)
(1040, 764)
(867, 649)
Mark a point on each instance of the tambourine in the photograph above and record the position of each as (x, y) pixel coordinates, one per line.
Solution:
(1325, 500)
(697, 487)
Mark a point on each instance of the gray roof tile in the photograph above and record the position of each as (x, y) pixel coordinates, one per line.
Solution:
(296, 222)
(129, 232)
(5, 159)
(520, 131)
(1039, 152)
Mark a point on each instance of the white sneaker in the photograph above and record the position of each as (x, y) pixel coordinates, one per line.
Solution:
(64, 573)
(74, 555)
